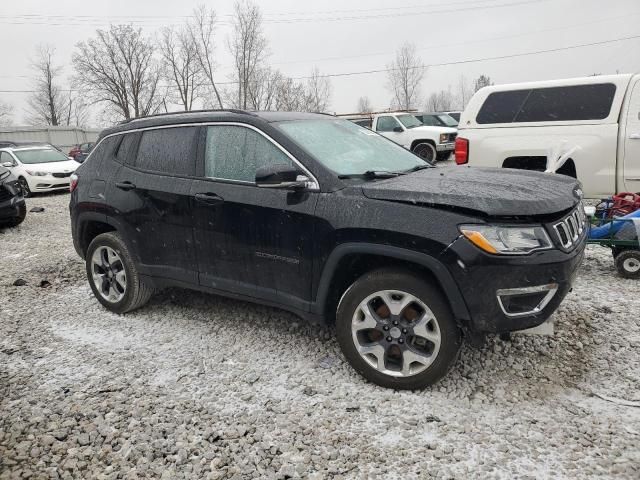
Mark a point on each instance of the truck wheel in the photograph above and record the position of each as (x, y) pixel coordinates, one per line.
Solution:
(628, 263)
(426, 151)
(113, 275)
(397, 330)
(18, 219)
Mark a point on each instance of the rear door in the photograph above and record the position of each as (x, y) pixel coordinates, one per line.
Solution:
(631, 166)
(152, 193)
(250, 240)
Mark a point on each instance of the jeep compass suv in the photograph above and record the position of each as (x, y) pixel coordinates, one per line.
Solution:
(331, 221)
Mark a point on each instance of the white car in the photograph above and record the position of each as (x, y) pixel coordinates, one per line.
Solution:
(587, 128)
(38, 169)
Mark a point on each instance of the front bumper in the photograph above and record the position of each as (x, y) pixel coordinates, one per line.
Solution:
(47, 183)
(508, 293)
(445, 147)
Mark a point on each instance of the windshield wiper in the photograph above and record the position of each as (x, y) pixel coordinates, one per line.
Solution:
(418, 167)
(372, 174)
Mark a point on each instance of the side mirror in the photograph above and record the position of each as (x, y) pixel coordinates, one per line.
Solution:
(8, 164)
(281, 176)
(398, 129)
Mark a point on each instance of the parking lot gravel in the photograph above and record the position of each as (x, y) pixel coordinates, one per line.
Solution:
(198, 386)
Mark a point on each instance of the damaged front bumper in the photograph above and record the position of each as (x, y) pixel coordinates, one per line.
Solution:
(509, 293)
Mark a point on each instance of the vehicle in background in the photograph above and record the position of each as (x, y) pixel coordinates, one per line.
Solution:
(13, 209)
(436, 119)
(12, 144)
(455, 114)
(428, 142)
(326, 219)
(38, 169)
(593, 123)
(83, 148)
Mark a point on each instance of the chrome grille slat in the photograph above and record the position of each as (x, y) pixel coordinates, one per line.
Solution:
(570, 229)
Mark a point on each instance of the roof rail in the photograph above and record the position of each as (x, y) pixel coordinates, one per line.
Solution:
(228, 110)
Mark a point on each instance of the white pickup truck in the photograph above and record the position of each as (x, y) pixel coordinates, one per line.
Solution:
(430, 143)
(590, 124)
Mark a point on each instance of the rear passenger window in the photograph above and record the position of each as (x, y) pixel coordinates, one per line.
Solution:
(125, 150)
(168, 150)
(235, 153)
(105, 149)
(555, 104)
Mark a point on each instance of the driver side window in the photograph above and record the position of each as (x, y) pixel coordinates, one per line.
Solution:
(235, 153)
(386, 124)
(6, 157)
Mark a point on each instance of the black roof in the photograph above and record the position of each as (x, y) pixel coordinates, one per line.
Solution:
(211, 116)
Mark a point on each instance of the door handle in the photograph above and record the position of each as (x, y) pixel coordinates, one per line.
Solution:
(635, 136)
(126, 186)
(208, 198)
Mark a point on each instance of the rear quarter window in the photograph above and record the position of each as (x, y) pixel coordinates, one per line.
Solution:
(554, 104)
(168, 150)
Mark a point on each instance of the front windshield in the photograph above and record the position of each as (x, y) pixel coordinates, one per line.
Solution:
(448, 120)
(40, 155)
(348, 149)
(409, 121)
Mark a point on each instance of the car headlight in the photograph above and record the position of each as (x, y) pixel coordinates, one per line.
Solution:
(507, 240)
(444, 137)
(36, 174)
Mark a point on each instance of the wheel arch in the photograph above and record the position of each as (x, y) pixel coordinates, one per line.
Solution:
(351, 260)
(424, 140)
(90, 225)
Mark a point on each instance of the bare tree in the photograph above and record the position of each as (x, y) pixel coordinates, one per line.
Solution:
(291, 96)
(47, 103)
(248, 46)
(405, 75)
(263, 88)
(481, 82)
(183, 69)
(464, 92)
(118, 67)
(318, 92)
(202, 29)
(6, 114)
(364, 105)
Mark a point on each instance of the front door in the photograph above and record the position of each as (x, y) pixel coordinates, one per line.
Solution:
(250, 240)
(631, 168)
(152, 193)
(390, 127)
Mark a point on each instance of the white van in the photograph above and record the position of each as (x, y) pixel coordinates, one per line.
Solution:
(592, 122)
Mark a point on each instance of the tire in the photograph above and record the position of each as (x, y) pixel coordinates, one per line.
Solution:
(18, 219)
(121, 290)
(24, 186)
(628, 263)
(442, 156)
(426, 151)
(409, 360)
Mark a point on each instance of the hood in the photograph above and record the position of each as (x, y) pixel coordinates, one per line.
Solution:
(490, 191)
(53, 167)
(429, 128)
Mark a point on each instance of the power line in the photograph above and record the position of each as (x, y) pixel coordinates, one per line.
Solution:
(384, 70)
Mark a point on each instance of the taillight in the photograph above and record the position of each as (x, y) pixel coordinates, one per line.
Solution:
(73, 182)
(462, 151)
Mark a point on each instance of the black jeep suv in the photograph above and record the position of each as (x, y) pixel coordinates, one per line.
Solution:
(13, 210)
(329, 220)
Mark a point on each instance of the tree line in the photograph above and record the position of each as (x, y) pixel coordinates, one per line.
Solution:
(130, 74)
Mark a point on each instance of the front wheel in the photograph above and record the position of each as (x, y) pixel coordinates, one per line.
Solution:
(397, 330)
(113, 274)
(628, 263)
(426, 151)
(24, 186)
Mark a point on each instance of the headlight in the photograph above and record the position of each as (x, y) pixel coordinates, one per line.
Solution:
(36, 174)
(507, 240)
(444, 137)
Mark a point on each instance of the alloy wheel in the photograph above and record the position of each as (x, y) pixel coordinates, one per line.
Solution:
(426, 152)
(396, 333)
(109, 276)
(24, 186)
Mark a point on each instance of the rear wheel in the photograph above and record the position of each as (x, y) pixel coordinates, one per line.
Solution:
(628, 263)
(113, 275)
(397, 330)
(426, 151)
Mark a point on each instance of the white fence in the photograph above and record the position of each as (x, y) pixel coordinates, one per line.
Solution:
(62, 137)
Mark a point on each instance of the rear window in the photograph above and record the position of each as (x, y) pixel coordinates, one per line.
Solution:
(125, 149)
(168, 150)
(554, 104)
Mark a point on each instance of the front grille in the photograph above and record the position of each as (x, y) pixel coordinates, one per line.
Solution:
(4, 194)
(569, 230)
(62, 174)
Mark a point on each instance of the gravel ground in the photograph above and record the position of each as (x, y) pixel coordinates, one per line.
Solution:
(197, 386)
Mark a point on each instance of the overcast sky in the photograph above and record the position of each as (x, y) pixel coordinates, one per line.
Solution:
(355, 35)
